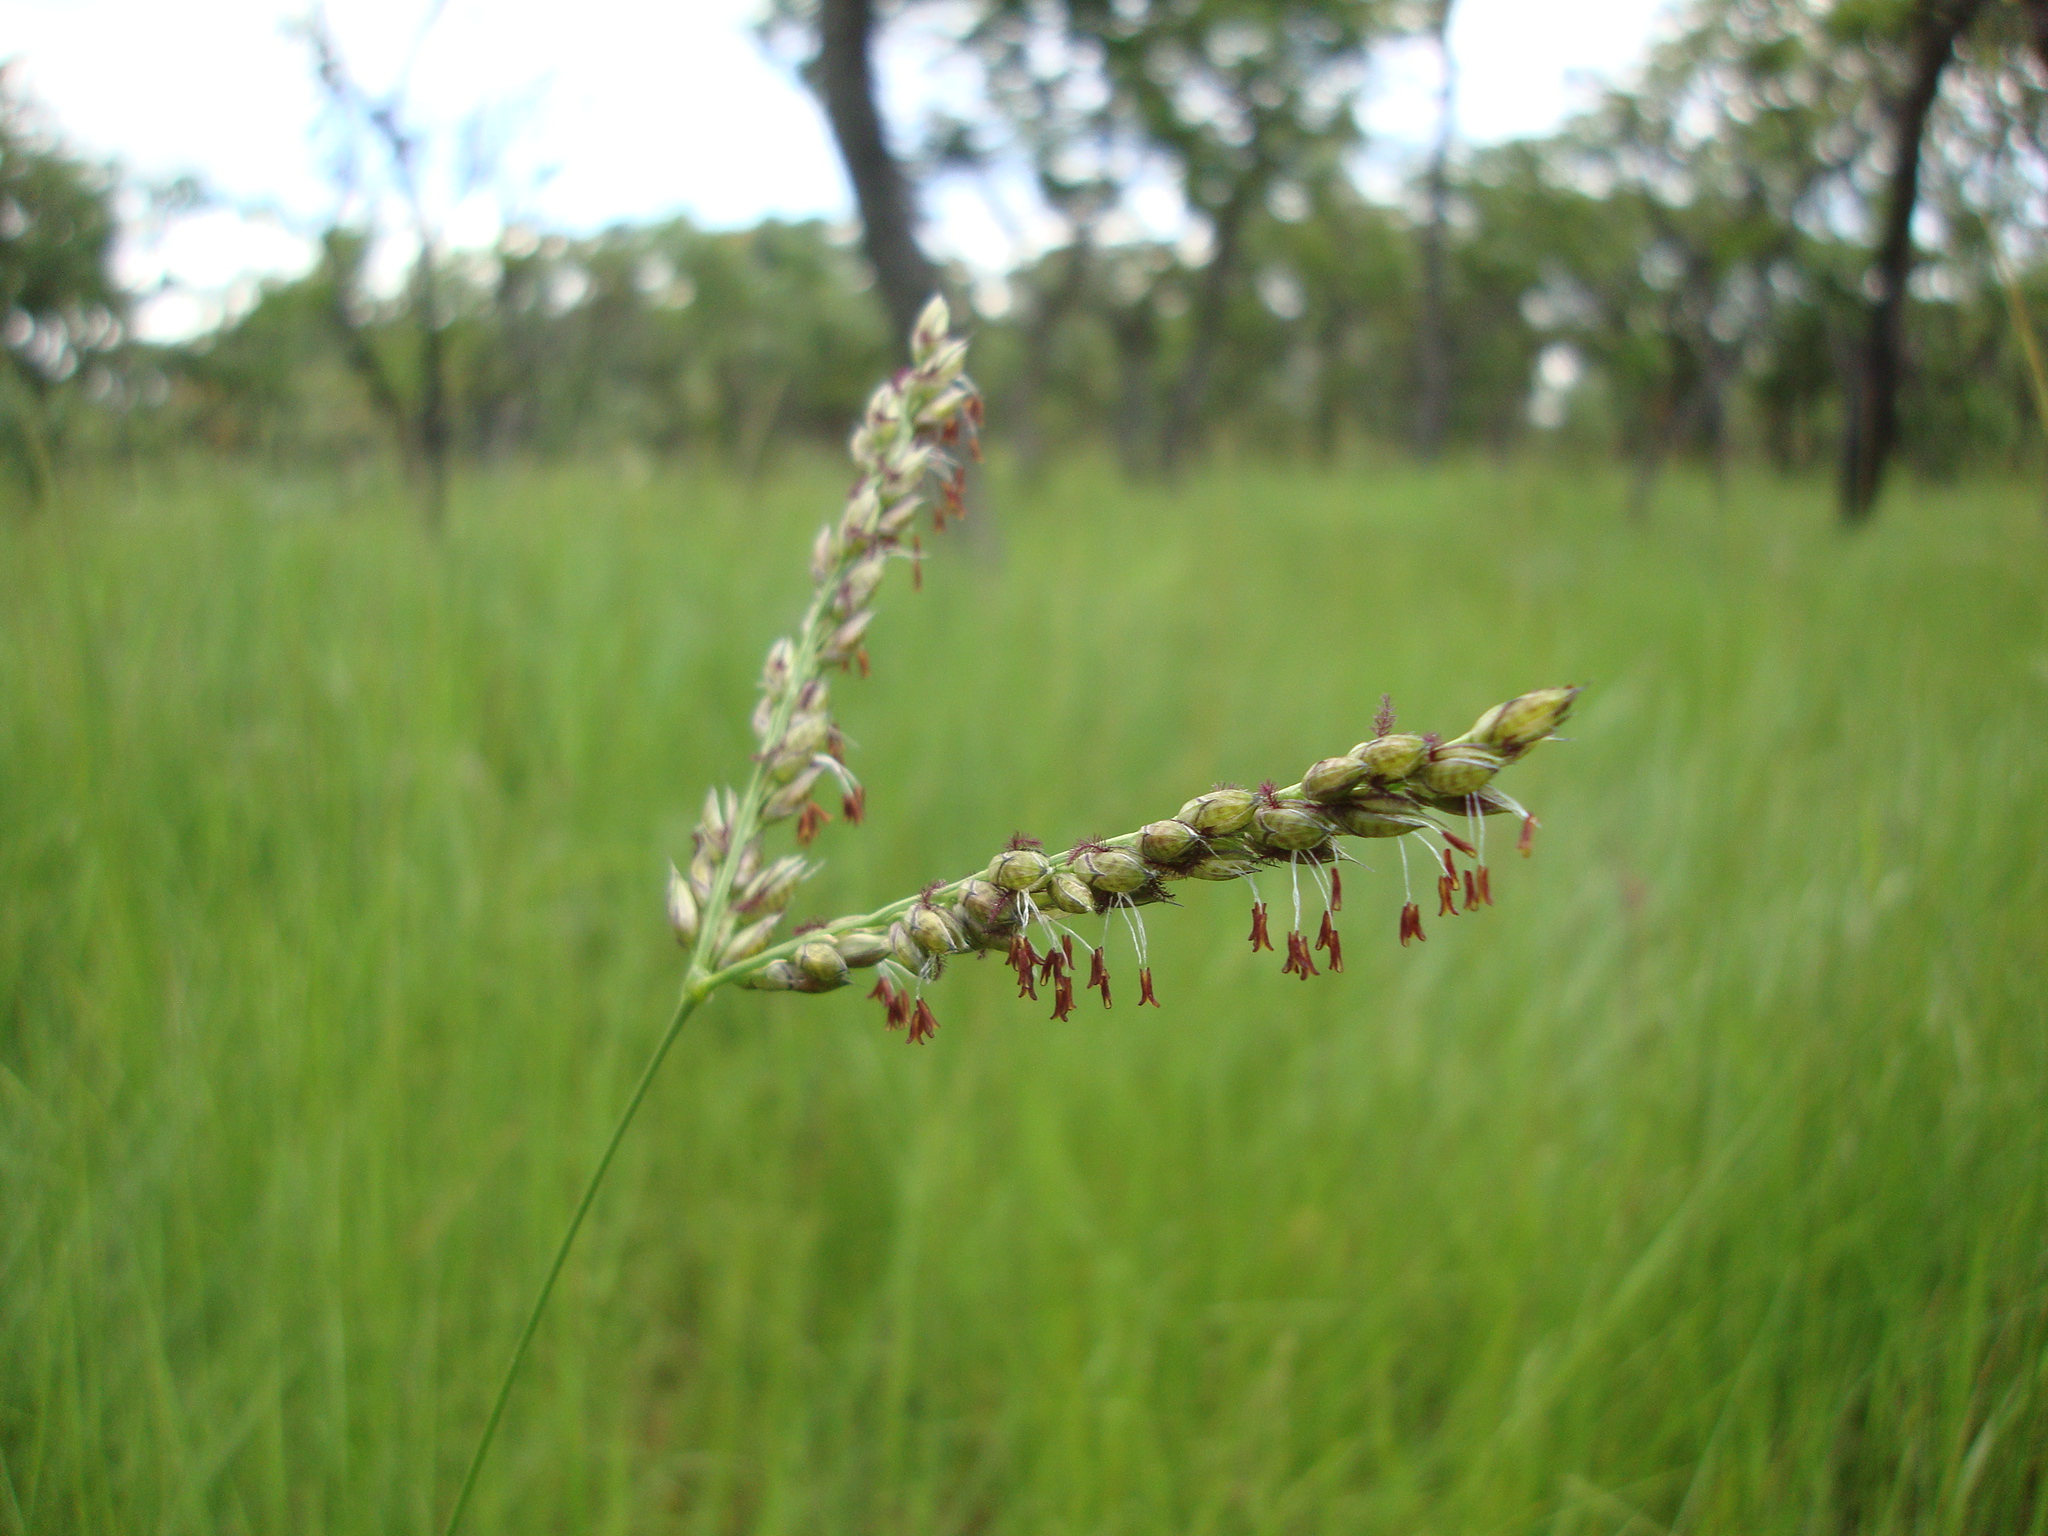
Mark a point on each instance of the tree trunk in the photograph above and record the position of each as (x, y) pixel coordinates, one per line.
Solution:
(843, 74)
(435, 434)
(1136, 337)
(31, 415)
(1433, 342)
(1211, 303)
(343, 261)
(2035, 13)
(1872, 431)
(1051, 307)
(1330, 393)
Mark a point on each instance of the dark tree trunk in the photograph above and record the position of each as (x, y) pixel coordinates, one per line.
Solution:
(344, 274)
(1872, 433)
(844, 76)
(437, 438)
(1052, 307)
(1330, 393)
(425, 437)
(31, 414)
(1136, 336)
(2036, 14)
(1212, 299)
(1432, 338)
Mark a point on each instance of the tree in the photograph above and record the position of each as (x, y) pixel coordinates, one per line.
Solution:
(413, 400)
(1927, 36)
(59, 301)
(1433, 351)
(1236, 100)
(841, 70)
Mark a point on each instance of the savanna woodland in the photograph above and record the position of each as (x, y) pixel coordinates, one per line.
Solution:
(367, 658)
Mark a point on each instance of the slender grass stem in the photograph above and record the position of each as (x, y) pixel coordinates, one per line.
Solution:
(742, 822)
(2023, 331)
(693, 994)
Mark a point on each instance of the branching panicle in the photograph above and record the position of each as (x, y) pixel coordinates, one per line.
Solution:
(1390, 785)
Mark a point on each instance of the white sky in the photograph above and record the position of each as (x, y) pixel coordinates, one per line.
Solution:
(611, 110)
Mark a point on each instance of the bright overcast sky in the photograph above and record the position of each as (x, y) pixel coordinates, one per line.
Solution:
(607, 110)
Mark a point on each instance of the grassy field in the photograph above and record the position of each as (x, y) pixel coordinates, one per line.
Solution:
(1700, 1186)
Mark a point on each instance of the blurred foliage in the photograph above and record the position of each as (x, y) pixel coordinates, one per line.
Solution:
(665, 338)
(60, 309)
(1677, 273)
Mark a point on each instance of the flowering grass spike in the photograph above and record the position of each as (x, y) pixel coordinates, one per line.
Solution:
(1025, 903)
(909, 452)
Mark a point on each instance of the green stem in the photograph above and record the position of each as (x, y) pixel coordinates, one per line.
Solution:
(881, 917)
(693, 994)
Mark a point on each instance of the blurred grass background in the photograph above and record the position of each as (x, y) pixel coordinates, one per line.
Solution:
(1698, 1186)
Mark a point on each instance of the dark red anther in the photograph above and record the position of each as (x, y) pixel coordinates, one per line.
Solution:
(1449, 868)
(916, 564)
(1063, 997)
(1067, 949)
(1050, 964)
(886, 995)
(1260, 938)
(1471, 891)
(922, 1025)
(1145, 987)
(1485, 886)
(1098, 977)
(1299, 963)
(1446, 896)
(1336, 890)
(1328, 939)
(1411, 924)
(1461, 845)
(809, 822)
(895, 1003)
(1528, 837)
(1336, 952)
(854, 805)
(1025, 959)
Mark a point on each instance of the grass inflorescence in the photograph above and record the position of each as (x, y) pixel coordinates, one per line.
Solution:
(726, 910)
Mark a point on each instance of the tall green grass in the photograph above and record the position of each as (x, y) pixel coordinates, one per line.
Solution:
(1697, 1187)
